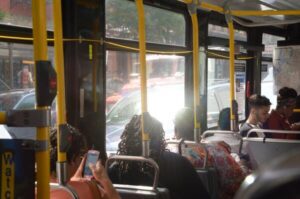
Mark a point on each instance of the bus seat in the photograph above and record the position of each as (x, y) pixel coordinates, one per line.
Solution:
(139, 192)
(208, 175)
(209, 178)
(262, 150)
(279, 178)
(233, 139)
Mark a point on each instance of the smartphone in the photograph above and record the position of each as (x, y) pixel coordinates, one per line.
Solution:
(92, 157)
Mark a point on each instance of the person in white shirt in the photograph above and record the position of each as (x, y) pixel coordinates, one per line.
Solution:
(259, 113)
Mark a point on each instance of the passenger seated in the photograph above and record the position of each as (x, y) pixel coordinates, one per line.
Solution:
(230, 173)
(259, 107)
(74, 154)
(278, 120)
(75, 165)
(295, 118)
(224, 119)
(176, 173)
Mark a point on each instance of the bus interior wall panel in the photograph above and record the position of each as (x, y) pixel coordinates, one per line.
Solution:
(70, 54)
(82, 57)
(253, 66)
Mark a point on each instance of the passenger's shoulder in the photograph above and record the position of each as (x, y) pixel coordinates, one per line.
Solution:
(244, 129)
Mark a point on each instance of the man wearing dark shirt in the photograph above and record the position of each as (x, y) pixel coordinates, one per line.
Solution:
(259, 113)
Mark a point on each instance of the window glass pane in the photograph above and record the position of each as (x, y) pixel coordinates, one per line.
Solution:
(165, 83)
(162, 26)
(222, 32)
(17, 76)
(19, 13)
(218, 91)
(267, 78)
(270, 42)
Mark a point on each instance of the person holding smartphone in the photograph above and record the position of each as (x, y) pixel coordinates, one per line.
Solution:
(82, 167)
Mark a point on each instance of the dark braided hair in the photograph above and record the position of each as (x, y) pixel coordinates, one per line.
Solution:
(131, 144)
(78, 146)
(287, 96)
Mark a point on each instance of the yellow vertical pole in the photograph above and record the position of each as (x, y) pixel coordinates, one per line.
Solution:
(2, 117)
(231, 71)
(60, 99)
(143, 72)
(196, 74)
(40, 54)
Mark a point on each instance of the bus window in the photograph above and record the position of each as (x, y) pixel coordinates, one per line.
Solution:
(162, 26)
(19, 13)
(267, 78)
(218, 89)
(165, 91)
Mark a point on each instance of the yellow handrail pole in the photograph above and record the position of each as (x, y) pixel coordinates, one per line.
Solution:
(231, 71)
(193, 13)
(263, 12)
(40, 54)
(60, 99)
(296, 110)
(143, 72)
(2, 117)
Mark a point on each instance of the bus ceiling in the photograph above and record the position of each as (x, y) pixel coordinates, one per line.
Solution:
(251, 13)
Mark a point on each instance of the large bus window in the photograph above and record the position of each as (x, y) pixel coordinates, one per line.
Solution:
(222, 32)
(267, 78)
(165, 91)
(17, 75)
(19, 13)
(162, 26)
(218, 91)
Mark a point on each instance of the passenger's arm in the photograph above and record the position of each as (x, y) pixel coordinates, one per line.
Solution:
(101, 176)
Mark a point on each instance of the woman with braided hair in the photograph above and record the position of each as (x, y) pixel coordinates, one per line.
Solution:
(176, 173)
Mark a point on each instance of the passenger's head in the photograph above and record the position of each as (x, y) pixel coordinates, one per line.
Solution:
(184, 124)
(131, 143)
(286, 101)
(131, 138)
(224, 119)
(259, 108)
(74, 153)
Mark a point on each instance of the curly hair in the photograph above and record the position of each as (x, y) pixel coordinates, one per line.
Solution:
(78, 146)
(131, 143)
(287, 96)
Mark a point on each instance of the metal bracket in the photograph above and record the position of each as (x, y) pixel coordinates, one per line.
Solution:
(227, 10)
(29, 118)
(192, 7)
(36, 145)
(65, 137)
(41, 145)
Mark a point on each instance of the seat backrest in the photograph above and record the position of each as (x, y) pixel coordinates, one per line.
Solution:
(263, 150)
(233, 139)
(141, 192)
(209, 178)
(207, 175)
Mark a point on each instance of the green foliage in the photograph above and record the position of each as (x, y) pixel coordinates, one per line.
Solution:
(162, 26)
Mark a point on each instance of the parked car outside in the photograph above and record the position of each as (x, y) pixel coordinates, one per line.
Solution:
(163, 103)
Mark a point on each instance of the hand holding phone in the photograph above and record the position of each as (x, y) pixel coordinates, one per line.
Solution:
(92, 157)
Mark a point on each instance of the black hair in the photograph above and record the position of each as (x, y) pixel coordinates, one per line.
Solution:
(184, 124)
(78, 146)
(224, 119)
(131, 143)
(286, 96)
(257, 101)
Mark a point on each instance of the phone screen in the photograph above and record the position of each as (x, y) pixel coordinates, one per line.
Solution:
(92, 157)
